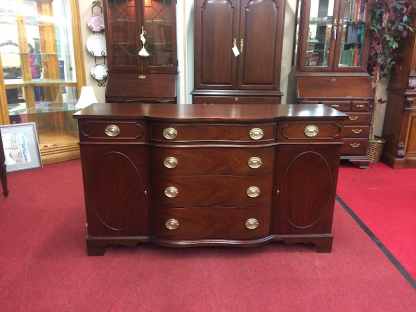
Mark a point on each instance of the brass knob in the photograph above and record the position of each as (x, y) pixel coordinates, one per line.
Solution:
(170, 133)
(253, 191)
(252, 223)
(172, 224)
(171, 192)
(112, 130)
(256, 133)
(254, 162)
(236, 99)
(311, 131)
(170, 162)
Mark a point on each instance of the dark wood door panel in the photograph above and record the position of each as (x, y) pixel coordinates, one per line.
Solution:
(211, 223)
(225, 191)
(212, 161)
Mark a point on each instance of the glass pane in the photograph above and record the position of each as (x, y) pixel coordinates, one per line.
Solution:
(353, 28)
(319, 37)
(159, 32)
(122, 23)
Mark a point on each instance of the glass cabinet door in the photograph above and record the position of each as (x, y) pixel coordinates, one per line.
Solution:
(318, 35)
(159, 25)
(351, 31)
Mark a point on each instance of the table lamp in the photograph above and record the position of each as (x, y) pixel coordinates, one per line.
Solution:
(87, 97)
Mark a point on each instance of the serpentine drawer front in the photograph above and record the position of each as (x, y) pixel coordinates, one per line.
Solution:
(205, 175)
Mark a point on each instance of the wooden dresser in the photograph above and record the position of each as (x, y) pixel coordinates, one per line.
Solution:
(204, 175)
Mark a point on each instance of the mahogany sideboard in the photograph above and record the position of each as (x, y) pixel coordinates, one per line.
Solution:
(204, 175)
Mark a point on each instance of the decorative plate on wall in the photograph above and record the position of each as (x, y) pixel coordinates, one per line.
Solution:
(99, 71)
(96, 21)
(96, 45)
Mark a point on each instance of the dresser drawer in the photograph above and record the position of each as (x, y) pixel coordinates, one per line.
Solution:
(297, 131)
(360, 106)
(211, 223)
(212, 161)
(356, 131)
(112, 130)
(342, 106)
(213, 132)
(354, 146)
(235, 100)
(358, 119)
(203, 191)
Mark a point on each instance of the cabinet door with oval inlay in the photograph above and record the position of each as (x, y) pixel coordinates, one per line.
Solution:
(116, 189)
(304, 195)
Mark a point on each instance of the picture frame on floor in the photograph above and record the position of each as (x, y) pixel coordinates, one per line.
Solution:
(21, 147)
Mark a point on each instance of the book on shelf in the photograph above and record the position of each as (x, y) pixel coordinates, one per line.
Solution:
(357, 14)
(355, 61)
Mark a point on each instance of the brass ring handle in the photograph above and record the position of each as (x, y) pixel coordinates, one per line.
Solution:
(355, 144)
(254, 162)
(112, 130)
(256, 133)
(172, 224)
(253, 191)
(170, 133)
(357, 130)
(311, 131)
(171, 192)
(353, 117)
(252, 223)
(170, 162)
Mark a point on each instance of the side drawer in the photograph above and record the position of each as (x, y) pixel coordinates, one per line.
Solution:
(213, 132)
(130, 85)
(203, 191)
(112, 130)
(235, 100)
(358, 118)
(211, 223)
(356, 131)
(298, 131)
(212, 161)
(342, 106)
(354, 147)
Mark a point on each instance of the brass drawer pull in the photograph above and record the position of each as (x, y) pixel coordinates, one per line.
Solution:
(357, 130)
(142, 77)
(170, 162)
(112, 130)
(355, 144)
(253, 191)
(360, 106)
(171, 192)
(172, 224)
(254, 162)
(334, 105)
(170, 133)
(311, 131)
(353, 117)
(236, 99)
(256, 133)
(252, 223)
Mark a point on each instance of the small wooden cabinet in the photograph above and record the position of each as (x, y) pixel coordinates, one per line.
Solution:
(255, 29)
(133, 77)
(399, 128)
(330, 66)
(165, 174)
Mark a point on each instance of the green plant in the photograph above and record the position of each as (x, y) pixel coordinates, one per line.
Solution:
(391, 22)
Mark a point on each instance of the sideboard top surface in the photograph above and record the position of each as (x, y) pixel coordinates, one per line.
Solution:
(218, 112)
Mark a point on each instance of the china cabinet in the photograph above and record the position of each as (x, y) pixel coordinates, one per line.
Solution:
(238, 51)
(330, 66)
(399, 128)
(42, 71)
(141, 50)
(164, 174)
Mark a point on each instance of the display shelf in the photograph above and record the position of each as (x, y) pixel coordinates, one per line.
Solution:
(41, 107)
(15, 83)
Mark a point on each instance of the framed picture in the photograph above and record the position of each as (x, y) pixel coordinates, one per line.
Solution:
(21, 147)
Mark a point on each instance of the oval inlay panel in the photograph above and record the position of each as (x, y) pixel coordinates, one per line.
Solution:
(114, 185)
(305, 198)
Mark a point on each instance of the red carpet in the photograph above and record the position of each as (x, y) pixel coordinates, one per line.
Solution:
(44, 267)
(385, 200)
